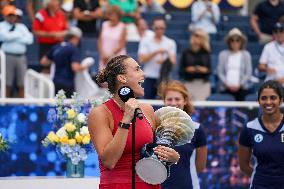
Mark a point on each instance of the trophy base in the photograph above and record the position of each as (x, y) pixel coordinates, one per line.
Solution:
(151, 170)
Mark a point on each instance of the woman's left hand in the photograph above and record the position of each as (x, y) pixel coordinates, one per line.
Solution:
(167, 154)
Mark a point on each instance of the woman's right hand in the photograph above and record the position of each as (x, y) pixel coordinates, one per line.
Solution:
(129, 108)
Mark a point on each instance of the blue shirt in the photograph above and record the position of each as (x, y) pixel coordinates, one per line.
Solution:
(268, 153)
(64, 55)
(15, 38)
(183, 175)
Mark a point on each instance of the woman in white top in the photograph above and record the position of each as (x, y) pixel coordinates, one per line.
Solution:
(205, 15)
(234, 66)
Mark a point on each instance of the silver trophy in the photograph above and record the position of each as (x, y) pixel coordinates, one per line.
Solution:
(174, 127)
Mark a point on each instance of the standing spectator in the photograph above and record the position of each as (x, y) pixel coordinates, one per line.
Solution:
(130, 15)
(50, 27)
(152, 6)
(66, 57)
(153, 51)
(272, 56)
(87, 12)
(112, 39)
(205, 15)
(32, 7)
(264, 17)
(234, 66)
(14, 37)
(193, 155)
(195, 65)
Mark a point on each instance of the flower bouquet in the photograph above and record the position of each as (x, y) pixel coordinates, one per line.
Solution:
(71, 135)
(3, 144)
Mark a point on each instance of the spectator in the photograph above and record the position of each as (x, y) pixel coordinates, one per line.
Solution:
(14, 37)
(195, 65)
(234, 66)
(143, 29)
(205, 15)
(32, 7)
(272, 56)
(265, 15)
(112, 39)
(66, 58)
(153, 51)
(152, 6)
(50, 26)
(130, 15)
(87, 12)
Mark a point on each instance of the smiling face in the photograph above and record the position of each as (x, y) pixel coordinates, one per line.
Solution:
(269, 101)
(174, 99)
(134, 77)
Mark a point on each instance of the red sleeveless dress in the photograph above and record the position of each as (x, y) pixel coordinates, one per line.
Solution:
(120, 176)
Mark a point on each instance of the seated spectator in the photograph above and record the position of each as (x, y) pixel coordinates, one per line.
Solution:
(112, 39)
(272, 57)
(152, 6)
(195, 65)
(66, 59)
(205, 15)
(234, 66)
(264, 17)
(130, 15)
(87, 12)
(50, 27)
(153, 51)
(14, 37)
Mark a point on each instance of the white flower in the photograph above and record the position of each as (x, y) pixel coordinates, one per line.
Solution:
(61, 132)
(84, 131)
(81, 117)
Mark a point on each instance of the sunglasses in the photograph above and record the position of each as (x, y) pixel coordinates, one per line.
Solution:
(159, 28)
(235, 40)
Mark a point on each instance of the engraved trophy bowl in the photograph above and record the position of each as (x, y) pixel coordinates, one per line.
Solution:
(174, 127)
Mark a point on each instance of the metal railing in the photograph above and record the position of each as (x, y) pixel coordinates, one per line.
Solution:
(2, 74)
(38, 86)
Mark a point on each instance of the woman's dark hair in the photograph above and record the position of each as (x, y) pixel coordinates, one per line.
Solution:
(114, 67)
(271, 85)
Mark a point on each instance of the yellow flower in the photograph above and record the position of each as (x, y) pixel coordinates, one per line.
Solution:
(69, 127)
(72, 142)
(71, 113)
(52, 137)
(64, 140)
(86, 139)
(78, 137)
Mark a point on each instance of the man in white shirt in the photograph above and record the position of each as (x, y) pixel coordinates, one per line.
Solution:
(152, 52)
(272, 57)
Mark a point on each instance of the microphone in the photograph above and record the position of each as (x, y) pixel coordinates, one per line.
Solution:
(126, 93)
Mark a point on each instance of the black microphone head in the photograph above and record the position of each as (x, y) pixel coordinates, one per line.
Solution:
(125, 93)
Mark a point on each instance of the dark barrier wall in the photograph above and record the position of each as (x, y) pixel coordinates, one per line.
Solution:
(26, 126)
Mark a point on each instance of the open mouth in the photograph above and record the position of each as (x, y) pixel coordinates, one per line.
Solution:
(141, 82)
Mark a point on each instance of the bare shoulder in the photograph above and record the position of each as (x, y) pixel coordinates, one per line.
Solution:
(98, 116)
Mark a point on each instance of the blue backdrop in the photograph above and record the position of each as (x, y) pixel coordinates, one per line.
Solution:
(26, 126)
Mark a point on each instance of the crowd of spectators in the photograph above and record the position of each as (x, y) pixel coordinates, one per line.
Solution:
(115, 23)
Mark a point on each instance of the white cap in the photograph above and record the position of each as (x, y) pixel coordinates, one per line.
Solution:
(75, 31)
(19, 12)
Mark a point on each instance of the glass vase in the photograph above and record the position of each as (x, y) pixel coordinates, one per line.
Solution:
(75, 171)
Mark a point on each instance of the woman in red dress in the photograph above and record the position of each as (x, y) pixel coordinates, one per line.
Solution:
(110, 128)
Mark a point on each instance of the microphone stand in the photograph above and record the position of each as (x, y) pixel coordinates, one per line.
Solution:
(133, 152)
